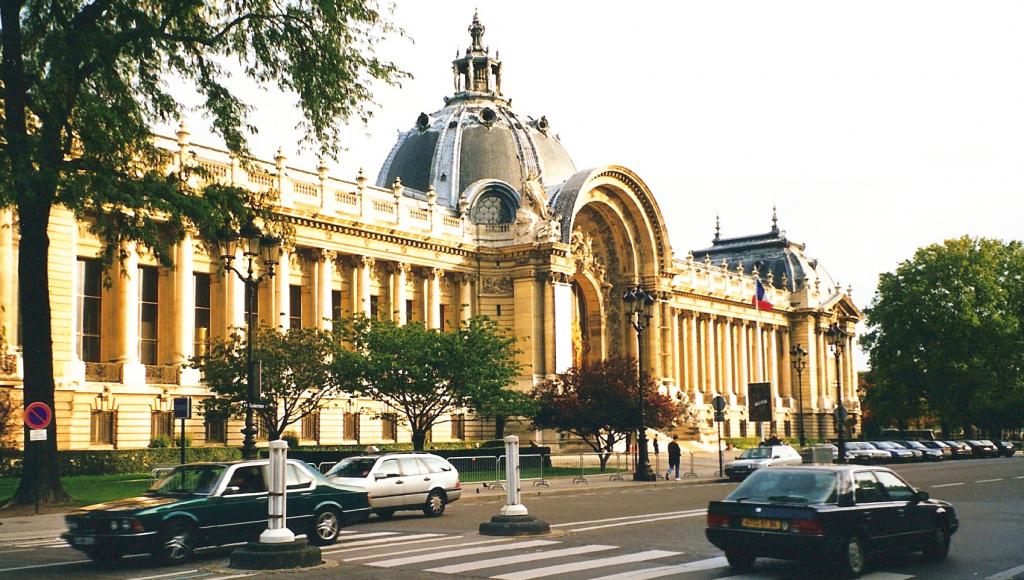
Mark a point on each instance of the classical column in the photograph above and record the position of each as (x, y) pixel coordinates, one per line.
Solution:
(773, 363)
(125, 288)
(744, 359)
(653, 347)
(693, 359)
(710, 385)
(281, 283)
(677, 373)
(401, 274)
(434, 297)
(786, 369)
(184, 311)
(666, 342)
(758, 354)
(562, 291)
(728, 384)
(324, 287)
(465, 297)
(824, 397)
(366, 265)
(548, 292)
(851, 375)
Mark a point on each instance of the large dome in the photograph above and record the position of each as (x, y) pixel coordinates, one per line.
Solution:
(476, 137)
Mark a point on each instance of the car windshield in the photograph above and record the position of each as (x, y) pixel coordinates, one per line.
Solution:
(787, 486)
(881, 445)
(353, 467)
(893, 445)
(757, 453)
(913, 444)
(195, 479)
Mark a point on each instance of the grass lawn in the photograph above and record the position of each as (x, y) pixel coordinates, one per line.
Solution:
(90, 489)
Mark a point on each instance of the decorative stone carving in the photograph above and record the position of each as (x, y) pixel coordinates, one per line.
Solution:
(103, 372)
(500, 286)
(581, 246)
(526, 223)
(550, 230)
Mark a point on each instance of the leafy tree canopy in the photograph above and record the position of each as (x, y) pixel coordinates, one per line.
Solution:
(599, 403)
(946, 336)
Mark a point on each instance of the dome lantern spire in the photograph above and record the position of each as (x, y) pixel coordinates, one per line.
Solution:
(477, 74)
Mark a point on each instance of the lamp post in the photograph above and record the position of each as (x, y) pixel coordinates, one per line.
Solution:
(836, 336)
(268, 249)
(640, 301)
(799, 362)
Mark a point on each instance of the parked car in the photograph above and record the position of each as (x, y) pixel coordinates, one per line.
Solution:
(944, 448)
(1006, 448)
(928, 453)
(843, 513)
(983, 448)
(865, 453)
(757, 457)
(401, 481)
(211, 504)
(896, 452)
(961, 450)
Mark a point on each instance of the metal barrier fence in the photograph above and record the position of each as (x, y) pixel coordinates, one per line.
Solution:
(583, 465)
(482, 469)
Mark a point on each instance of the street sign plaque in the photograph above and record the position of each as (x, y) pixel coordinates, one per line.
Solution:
(760, 402)
(719, 416)
(38, 415)
(182, 407)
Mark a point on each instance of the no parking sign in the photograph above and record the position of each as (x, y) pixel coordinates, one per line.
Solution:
(38, 415)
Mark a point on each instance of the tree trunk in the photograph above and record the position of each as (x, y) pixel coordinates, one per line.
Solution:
(40, 470)
(499, 426)
(419, 438)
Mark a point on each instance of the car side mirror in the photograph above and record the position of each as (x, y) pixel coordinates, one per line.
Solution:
(230, 490)
(920, 496)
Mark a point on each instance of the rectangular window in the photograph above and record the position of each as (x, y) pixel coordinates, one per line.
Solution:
(497, 309)
(202, 301)
(374, 306)
(162, 425)
(459, 426)
(408, 310)
(788, 429)
(262, 429)
(216, 429)
(311, 427)
(335, 304)
(444, 318)
(728, 428)
(149, 306)
(389, 426)
(743, 427)
(295, 307)
(90, 309)
(351, 425)
(101, 428)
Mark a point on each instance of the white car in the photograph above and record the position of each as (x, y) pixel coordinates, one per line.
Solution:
(401, 481)
(757, 457)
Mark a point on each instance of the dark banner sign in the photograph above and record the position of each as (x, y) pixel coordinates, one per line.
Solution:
(759, 397)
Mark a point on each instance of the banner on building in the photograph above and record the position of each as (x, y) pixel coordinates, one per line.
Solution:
(759, 400)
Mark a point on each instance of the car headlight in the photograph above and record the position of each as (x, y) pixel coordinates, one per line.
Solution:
(113, 525)
(126, 525)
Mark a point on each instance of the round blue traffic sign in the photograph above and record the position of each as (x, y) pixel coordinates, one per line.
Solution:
(38, 415)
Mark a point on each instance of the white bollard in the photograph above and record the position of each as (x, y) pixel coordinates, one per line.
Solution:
(277, 531)
(512, 505)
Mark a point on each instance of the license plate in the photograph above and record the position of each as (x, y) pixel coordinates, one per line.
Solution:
(761, 524)
(84, 541)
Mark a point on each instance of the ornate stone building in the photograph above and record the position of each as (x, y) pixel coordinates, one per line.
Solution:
(477, 209)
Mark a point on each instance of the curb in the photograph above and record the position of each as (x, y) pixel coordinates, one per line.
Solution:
(484, 495)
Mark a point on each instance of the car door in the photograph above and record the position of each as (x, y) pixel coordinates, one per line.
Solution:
(417, 481)
(387, 485)
(876, 513)
(914, 519)
(299, 486)
(243, 506)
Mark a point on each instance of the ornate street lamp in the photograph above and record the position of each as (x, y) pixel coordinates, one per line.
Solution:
(268, 249)
(640, 301)
(799, 362)
(836, 336)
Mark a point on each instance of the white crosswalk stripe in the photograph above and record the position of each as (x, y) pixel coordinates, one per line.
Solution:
(531, 557)
(391, 563)
(661, 571)
(344, 546)
(587, 565)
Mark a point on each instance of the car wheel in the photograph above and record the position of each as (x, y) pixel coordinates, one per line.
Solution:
(852, 558)
(385, 514)
(175, 543)
(326, 525)
(740, 561)
(937, 547)
(435, 504)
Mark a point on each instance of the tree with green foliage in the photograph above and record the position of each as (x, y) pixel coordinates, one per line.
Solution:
(946, 336)
(84, 82)
(300, 372)
(599, 403)
(426, 374)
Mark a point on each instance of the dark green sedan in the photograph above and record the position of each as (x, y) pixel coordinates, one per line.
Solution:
(212, 504)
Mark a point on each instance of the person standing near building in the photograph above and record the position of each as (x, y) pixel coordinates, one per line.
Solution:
(673, 458)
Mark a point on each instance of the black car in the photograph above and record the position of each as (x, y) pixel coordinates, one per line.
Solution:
(928, 453)
(960, 449)
(898, 453)
(982, 448)
(844, 513)
(944, 448)
(1006, 448)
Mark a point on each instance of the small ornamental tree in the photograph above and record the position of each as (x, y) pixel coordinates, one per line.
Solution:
(299, 371)
(598, 402)
(425, 374)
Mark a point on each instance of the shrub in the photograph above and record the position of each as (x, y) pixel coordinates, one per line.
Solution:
(163, 441)
(110, 462)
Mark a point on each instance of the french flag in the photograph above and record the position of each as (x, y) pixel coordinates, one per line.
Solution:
(760, 298)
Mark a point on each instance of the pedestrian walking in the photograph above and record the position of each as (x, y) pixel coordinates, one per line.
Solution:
(656, 451)
(673, 458)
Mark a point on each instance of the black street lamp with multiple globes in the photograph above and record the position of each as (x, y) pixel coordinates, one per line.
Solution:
(268, 249)
(837, 336)
(640, 301)
(799, 362)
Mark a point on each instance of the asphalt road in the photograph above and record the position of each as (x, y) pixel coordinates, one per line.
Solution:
(644, 531)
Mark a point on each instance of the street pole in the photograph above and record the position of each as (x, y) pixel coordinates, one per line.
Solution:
(640, 300)
(837, 337)
(721, 468)
(799, 364)
(249, 443)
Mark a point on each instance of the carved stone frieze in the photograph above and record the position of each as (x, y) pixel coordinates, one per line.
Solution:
(103, 372)
(496, 285)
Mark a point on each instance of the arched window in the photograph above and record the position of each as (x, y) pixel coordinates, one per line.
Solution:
(492, 208)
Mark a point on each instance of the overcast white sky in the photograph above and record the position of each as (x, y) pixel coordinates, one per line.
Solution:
(876, 127)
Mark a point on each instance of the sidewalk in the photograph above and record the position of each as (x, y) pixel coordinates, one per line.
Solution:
(51, 525)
